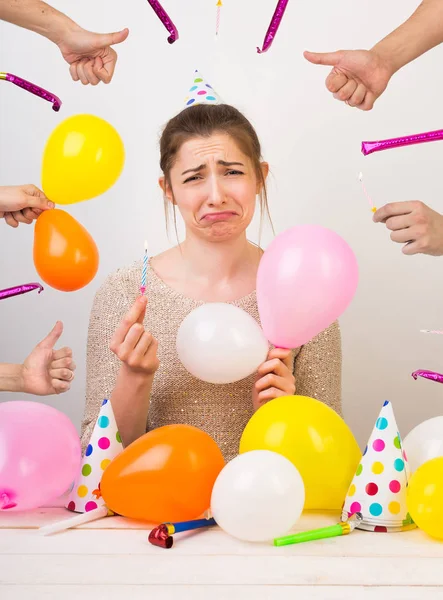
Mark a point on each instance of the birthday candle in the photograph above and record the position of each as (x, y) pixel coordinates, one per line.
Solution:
(360, 178)
(431, 331)
(144, 269)
(217, 23)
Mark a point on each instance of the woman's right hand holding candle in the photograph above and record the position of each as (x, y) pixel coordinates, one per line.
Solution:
(132, 344)
(137, 349)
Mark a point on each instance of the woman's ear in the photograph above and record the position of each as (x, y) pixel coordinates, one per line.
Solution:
(167, 190)
(264, 166)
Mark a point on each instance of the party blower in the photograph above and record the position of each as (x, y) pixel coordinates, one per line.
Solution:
(33, 89)
(162, 535)
(343, 528)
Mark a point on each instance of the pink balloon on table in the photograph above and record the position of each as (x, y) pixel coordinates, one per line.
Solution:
(40, 454)
(306, 279)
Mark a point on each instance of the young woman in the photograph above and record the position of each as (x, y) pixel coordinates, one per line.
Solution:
(212, 173)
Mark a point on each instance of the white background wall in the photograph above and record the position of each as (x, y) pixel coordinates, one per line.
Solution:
(311, 141)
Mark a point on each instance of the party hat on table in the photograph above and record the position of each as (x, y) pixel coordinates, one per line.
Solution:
(201, 92)
(105, 444)
(378, 490)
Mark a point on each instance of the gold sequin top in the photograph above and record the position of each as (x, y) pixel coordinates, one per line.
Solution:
(177, 397)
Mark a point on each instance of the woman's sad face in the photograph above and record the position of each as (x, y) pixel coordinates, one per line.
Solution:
(214, 185)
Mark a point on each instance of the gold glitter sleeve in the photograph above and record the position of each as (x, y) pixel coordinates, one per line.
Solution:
(109, 307)
(318, 368)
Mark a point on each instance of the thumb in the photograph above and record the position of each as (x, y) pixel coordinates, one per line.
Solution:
(109, 39)
(324, 58)
(35, 198)
(52, 338)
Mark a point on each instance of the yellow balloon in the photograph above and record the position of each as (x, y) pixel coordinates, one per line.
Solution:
(425, 497)
(83, 158)
(314, 438)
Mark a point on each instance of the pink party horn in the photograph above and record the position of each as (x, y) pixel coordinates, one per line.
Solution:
(407, 140)
(165, 19)
(274, 25)
(20, 289)
(438, 377)
(33, 89)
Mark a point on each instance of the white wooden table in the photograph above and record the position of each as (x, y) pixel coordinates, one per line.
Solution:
(112, 559)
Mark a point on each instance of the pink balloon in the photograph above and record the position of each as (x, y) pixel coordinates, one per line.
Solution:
(306, 279)
(40, 454)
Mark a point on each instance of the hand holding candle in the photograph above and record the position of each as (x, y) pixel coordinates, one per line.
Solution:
(132, 344)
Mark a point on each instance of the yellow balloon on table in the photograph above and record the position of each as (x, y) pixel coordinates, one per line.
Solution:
(314, 438)
(425, 497)
(83, 158)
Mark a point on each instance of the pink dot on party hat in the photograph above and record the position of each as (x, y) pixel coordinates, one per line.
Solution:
(378, 445)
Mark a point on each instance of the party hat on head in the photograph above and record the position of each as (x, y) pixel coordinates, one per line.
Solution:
(105, 444)
(201, 92)
(378, 490)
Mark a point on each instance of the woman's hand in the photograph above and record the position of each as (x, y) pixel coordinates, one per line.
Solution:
(274, 378)
(133, 345)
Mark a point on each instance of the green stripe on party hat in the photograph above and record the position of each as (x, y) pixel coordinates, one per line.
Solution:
(378, 490)
(201, 92)
(105, 444)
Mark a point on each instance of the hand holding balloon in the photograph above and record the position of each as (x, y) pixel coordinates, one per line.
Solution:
(274, 378)
(22, 204)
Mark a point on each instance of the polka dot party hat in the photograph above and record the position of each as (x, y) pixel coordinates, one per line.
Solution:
(201, 92)
(105, 444)
(378, 490)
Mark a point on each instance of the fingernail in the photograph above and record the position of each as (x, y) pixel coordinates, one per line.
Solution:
(51, 204)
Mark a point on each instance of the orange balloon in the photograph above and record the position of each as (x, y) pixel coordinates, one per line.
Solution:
(65, 255)
(166, 475)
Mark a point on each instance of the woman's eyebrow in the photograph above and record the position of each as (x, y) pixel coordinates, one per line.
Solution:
(224, 163)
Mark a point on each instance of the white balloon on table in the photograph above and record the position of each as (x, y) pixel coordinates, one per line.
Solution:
(221, 343)
(258, 496)
(424, 442)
